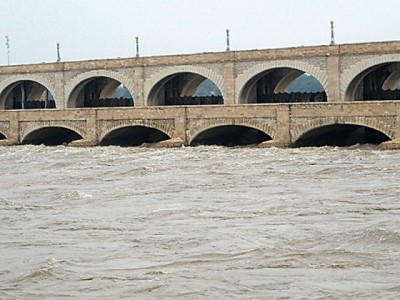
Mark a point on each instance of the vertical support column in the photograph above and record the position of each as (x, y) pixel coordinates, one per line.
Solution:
(282, 137)
(229, 83)
(397, 132)
(333, 71)
(181, 125)
(59, 89)
(393, 144)
(138, 83)
(179, 137)
(13, 137)
(91, 138)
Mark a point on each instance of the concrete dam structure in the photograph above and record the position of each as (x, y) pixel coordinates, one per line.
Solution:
(157, 99)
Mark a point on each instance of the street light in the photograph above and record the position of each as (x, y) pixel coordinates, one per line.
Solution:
(8, 49)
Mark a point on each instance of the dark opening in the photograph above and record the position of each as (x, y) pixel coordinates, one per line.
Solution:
(28, 95)
(283, 85)
(51, 136)
(133, 136)
(373, 85)
(101, 92)
(185, 89)
(2, 136)
(230, 135)
(340, 135)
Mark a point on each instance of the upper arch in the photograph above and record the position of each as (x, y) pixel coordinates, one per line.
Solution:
(14, 79)
(151, 82)
(74, 82)
(243, 78)
(354, 70)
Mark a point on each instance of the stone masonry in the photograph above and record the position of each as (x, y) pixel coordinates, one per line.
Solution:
(334, 67)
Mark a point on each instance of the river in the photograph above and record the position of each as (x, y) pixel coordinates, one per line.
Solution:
(199, 223)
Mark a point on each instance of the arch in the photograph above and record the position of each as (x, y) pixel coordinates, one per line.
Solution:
(264, 125)
(161, 75)
(111, 126)
(245, 77)
(310, 124)
(355, 70)
(230, 135)
(30, 126)
(341, 135)
(51, 135)
(2, 136)
(132, 135)
(81, 78)
(10, 82)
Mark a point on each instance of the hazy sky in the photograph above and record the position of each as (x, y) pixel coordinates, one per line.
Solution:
(94, 29)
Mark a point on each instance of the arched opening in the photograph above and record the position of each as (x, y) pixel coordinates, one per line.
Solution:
(341, 135)
(51, 136)
(133, 136)
(100, 92)
(230, 135)
(185, 89)
(26, 94)
(2, 136)
(283, 85)
(380, 82)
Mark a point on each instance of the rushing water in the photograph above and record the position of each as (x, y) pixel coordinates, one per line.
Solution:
(199, 223)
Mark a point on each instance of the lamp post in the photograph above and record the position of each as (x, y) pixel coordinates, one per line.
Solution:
(8, 49)
(332, 35)
(58, 52)
(228, 48)
(137, 46)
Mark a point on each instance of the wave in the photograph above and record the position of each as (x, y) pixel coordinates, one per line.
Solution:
(44, 271)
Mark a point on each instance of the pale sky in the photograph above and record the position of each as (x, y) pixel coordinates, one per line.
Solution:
(97, 29)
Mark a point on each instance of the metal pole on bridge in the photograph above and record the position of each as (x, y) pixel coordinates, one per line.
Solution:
(332, 35)
(8, 49)
(228, 47)
(58, 52)
(137, 46)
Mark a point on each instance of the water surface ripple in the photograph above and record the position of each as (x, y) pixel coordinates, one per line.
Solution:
(199, 223)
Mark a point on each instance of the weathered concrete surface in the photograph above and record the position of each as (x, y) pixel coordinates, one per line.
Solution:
(333, 66)
(284, 123)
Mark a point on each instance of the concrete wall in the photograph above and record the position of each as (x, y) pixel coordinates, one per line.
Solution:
(284, 123)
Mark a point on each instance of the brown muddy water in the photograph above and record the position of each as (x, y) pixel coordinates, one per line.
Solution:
(199, 223)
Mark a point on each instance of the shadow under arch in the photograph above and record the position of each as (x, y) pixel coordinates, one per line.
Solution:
(282, 85)
(183, 88)
(100, 91)
(230, 135)
(51, 136)
(341, 135)
(378, 82)
(134, 135)
(26, 94)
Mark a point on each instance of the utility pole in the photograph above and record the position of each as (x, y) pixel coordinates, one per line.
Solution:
(8, 49)
(332, 35)
(58, 52)
(137, 46)
(228, 48)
